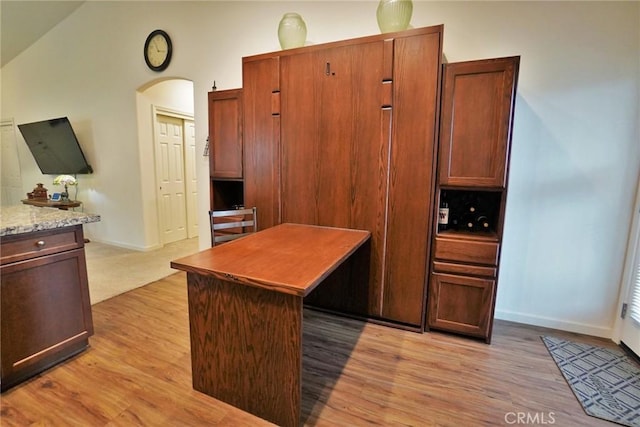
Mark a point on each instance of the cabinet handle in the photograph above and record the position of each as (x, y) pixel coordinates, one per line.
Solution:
(40, 243)
(327, 70)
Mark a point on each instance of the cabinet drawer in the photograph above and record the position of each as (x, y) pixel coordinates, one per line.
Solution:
(21, 247)
(468, 251)
(464, 269)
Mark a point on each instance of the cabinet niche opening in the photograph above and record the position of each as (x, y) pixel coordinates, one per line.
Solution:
(227, 194)
(471, 211)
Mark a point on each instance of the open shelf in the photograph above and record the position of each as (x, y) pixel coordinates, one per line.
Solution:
(227, 194)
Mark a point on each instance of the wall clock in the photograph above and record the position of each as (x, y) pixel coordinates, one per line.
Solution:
(158, 50)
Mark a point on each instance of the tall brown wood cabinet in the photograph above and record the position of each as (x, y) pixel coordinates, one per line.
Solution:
(343, 134)
(362, 134)
(225, 149)
(473, 165)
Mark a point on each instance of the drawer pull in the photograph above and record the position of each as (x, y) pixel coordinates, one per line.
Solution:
(40, 243)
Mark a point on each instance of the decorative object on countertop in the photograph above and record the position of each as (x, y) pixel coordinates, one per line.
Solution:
(38, 193)
(394, 15)
(292, 31)
(65, 180)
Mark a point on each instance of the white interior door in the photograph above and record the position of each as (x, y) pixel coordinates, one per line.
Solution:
(630, 330)
(191, 178)
(170, 173)
(11, 177)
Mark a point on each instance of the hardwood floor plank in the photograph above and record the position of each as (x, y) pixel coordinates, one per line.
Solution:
(137, 372)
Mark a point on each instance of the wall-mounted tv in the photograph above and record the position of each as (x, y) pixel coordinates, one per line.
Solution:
(55, 147)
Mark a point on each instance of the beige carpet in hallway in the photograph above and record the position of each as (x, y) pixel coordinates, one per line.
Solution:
(113, 270)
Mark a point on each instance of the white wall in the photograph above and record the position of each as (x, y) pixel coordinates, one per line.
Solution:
(576, 150)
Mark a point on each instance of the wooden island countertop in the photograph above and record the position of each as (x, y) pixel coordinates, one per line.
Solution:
(288, 258)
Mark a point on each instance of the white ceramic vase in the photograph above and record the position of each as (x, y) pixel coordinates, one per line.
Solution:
(292, 31)
(394, 15)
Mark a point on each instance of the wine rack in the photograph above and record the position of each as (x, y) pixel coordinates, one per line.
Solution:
(469, 211)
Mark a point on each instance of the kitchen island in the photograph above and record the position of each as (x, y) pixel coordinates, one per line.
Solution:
(245, 312)
(45, 312)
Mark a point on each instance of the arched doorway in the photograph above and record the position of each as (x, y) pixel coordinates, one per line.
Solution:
(167, 159)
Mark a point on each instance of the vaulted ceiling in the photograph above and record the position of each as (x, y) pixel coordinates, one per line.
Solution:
(24, 22)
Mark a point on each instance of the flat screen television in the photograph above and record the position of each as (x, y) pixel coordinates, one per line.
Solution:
(55, 147)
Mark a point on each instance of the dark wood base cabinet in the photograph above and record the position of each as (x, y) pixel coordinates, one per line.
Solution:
(46, 311)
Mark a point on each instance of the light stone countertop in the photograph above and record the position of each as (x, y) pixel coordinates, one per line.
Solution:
(20, 219)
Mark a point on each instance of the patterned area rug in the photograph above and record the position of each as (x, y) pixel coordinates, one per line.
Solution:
(605, 381)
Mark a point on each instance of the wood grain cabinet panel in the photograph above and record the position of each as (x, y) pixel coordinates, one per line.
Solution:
(477, 103)
(270, 324)
(334, 161)
(261, 136)
(416, 72)
(461, 304)
(225, 133)
(330, 98)
(467, 251)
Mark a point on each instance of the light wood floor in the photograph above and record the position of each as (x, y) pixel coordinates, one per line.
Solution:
(137, 372)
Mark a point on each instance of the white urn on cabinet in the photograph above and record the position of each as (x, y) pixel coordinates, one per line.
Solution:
(292, 31)
(394, 15)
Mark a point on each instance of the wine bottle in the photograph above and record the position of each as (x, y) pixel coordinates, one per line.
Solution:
(469, 223)
(443, 213)
(482, 223)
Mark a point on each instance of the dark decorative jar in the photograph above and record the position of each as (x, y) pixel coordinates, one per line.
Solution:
(39, 192)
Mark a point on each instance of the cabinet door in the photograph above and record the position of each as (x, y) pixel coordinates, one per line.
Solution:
(45, 313)
(416, 66)
(334, 158)
(330, 135)
(261, 139)
(477, 111)
(461, 304)
(225, 134)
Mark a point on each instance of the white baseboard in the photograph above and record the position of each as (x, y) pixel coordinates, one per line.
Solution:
(124, 245)
(562, 324)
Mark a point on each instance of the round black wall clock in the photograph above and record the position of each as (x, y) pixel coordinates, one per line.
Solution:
(158, 50)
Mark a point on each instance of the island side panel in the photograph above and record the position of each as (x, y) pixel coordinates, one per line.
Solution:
(246, 347)
(45, 306)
